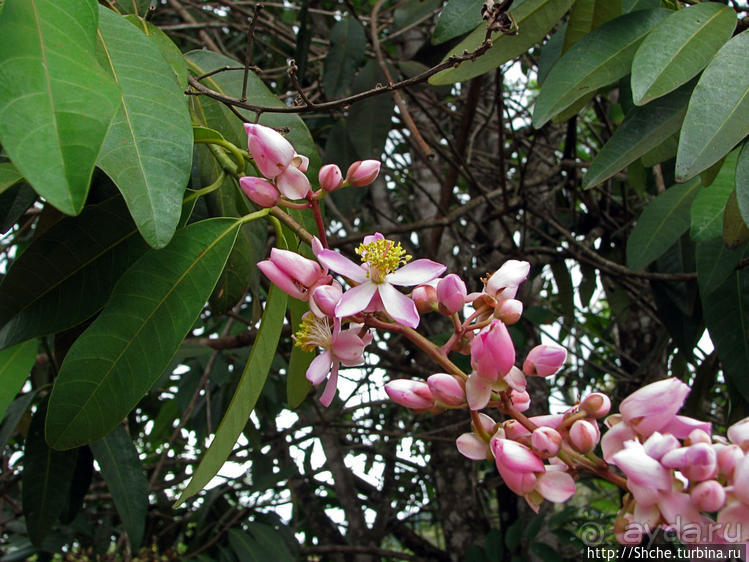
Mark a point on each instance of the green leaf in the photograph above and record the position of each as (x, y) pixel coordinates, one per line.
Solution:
(271, 540)
(643, 129)
(664, 151)
(718, 114)
(726, 312)
(46, 479)
(535, 18)
(660, 225)
(707, 208)
(587, 15)
(14, 414)
(634, 5)
(678, 48)
(166, 46)
(123, 473)
(347, 45)
(13, 204)
(248, 391)
(742, 182)
(735, 230)
(118, 358)
(56, 102)
(297, 385)
(715, 263)
(15, 365)
(458, 17)
(9, 176)
(600, 58)
(369, 121)
(550, 53)
(67, 273)
(148, 150)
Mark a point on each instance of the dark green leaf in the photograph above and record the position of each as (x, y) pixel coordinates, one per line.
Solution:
(535, 18)
(9, 175)
(642, 130)
(123, 473)
(718, 114)
(550, 53)
(79, 485)
(661, 224)
(600, 58)
(248, 391)
(586, 15)
(634, 5)
(15, 365)
(56, 102)
(458, 17)
(664, 151)
(148, 150)
(14, 414)
(678, 48)
(715, 262)
(369, 121)
(13, 204)
(707, 208)
(67, 273)
(118, 358)
(735, 230)
(271, 541)
(347, 44)
(742, 182)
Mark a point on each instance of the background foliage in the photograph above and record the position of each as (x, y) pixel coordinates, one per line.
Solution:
(603, 142)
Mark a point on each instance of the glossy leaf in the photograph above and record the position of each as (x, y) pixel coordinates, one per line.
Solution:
(718, 113)
(715, 263)
(14, 414)
(707, 208)
(148, 150)
(347, 45)
(600, 58)
(678, 48)
(123, 473)
(166, 46)
(664, 151)
(67, 273)
(587, 15)
(634, 5)
(118, 358)
(56, 102)
(458, 17)
(660, 225)
(643, 129)
(47, 475)
(742, 182)
(550, 53)
(15, 365)
(248, 391)
(14, 202)
(735, 230)
(9, 176)
(535, 18)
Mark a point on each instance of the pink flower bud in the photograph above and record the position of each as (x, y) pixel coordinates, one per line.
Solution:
(324, 298)
(425, 298)
(697, 462)
(509, 311)
(521, 400)
(506, 280)
(659, 444)
(546, 442)
(698, 436)
(411, 394)
(640, 468)
(472, 446)
(738, 433)
(515, 430)
(708, 496)
(293, 184)
(451, 293)
(584, 436)
(653, 406)
(741, 480)
(330, 177)
(728, 458)
(447, 389)
(492, 351)
(517, 465)
(362, 172)
(260, 191)
(544, 360)
(293, 274)
(270, 150)
(596, 405)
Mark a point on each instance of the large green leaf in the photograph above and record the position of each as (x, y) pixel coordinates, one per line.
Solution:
(661, 224)
(15, 365)
(535, 18)
(587, 15)
(707, 208)
(9, 176)
(46, 479)
(370, 121)
(118, 358)
(166, 46)
(678, 48)
(718, 114)
(643, 129)
(56, 102)
(67, 273)
(458, 17)
(148, 150)
(735, 229)
(715, 263)
(123, 473)
(14, 202)
(347, 45)
(742, 182)
(726, 312)
(598, 59)
(248, 391)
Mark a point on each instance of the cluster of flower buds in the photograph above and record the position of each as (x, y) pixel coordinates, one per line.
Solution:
(284, 170)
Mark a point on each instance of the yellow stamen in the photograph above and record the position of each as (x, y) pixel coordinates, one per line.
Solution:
(382, 256)
(313, 332)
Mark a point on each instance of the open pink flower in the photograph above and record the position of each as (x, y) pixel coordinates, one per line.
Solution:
(653, 406)
(383, 266)
(295, 275)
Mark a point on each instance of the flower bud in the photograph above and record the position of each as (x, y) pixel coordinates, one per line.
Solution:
(728, 458)
(515, 430)
(324, 298)
(447, 389)
(521, 400)
(658, 444)
(293, 274)
(584, 436)
(509, 311)
(698, 436)
(653, 406)
(271, 152)
(546, 442)
(260, 191)
(362, 172)
(708, 496)
(425, 298)
(492, 351)
(738, 433)
(517, 465)
(544, 360)
(451, 293)
(330, 177)
(411, 394)
(596, 405)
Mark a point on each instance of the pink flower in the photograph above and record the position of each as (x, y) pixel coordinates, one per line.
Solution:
(260, 191)
(472, 446)
(478, 391)
(340, 346)
(324, 298)
(546, 442)
(509, 311)
(330, 177)
(505, 281)
(697, 462)
(521, 400)
(613, 440)
(380, 271)
(292, 183)
(738, 433)
(544, 360)
(411, 394)
(451, 293)
(517, 465)
(362, 172)
(640, 468)
(653, 406)
(584, 436)
(447, 389)
(295, 275)
(271, 152)
(596, 405)
(492, 351)
(708, 496)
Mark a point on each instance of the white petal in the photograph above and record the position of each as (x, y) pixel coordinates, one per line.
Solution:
(341, 264)
(399, 306)
(355, 300)
(416, 273)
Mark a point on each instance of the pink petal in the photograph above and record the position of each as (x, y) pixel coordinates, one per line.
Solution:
(281, 280)
(348, 347)
(471, 446)
(555, 486)
(416, 273)
(478, 392)
(331, 387)
(355, 300)
(399, 306)
(293, 184)
(341, 264)
(319, 368)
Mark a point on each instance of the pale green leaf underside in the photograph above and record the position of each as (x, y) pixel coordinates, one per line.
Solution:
(707, 207)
